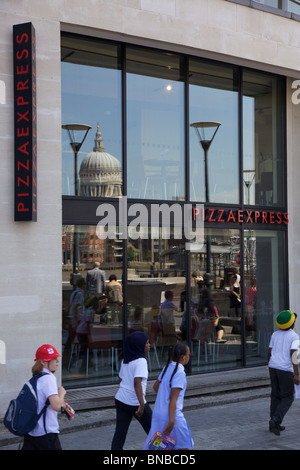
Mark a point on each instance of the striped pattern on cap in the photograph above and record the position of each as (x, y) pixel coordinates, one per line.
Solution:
(285, 319)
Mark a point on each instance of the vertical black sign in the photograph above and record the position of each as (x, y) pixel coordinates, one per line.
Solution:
(25, 122)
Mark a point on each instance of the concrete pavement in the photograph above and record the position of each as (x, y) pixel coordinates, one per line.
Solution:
(225, 411)
(239, 424)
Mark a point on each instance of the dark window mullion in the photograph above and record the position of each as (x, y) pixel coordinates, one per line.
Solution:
(124, 169)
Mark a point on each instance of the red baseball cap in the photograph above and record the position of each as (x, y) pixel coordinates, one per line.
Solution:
(46, 353)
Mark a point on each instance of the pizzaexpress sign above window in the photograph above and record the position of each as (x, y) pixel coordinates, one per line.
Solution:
(248, 216)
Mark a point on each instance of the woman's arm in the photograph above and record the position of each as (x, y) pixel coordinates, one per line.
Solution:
(294, 360)
(269, 354)
(56, 401)
(139, 393)
(172, 410)
(156, 386)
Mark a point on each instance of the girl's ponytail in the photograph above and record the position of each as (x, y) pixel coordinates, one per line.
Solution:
(180, 349)
(175, 353)
(37, 367)
(169, 360)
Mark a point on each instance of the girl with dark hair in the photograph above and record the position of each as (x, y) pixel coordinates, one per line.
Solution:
(167, 416)
(130, 399)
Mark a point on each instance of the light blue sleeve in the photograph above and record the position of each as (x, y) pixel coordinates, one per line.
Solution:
(179, 380)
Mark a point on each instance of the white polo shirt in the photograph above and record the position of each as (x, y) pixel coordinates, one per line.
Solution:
(126, 393)
(46, 386)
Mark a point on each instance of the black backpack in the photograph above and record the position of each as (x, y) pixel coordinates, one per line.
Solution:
(21, 416)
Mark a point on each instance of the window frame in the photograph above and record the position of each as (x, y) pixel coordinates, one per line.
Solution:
(79, 210)
(275, 11)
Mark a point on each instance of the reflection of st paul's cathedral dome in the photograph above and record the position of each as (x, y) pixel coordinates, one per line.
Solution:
(100, 173)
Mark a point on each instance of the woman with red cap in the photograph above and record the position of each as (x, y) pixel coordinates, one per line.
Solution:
(45, 434)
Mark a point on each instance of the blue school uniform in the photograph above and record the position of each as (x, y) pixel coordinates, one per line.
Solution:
(160, 415)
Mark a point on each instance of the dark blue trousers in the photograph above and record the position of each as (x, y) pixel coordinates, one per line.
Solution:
(282, 393)
(125, 413)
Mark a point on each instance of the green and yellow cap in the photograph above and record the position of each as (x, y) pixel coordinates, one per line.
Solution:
(285, 319)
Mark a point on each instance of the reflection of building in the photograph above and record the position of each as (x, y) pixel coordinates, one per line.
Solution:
(91, 247)
(67, 244)
(100, 172)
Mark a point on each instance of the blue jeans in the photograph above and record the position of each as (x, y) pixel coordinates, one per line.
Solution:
(125, 413)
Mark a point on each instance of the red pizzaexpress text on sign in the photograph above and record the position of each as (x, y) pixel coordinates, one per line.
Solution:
(25, 124)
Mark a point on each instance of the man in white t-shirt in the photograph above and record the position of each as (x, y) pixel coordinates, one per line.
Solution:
(283, 367)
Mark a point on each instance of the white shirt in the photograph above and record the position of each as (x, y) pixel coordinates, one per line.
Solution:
(128, 372)
(282, 342)
(46, 386)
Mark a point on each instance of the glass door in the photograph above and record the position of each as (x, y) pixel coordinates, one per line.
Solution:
(215, 302)
(264, 289)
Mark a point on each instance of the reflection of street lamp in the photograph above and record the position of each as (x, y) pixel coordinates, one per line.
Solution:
(205, 143)
(76, 145)
(248, 180)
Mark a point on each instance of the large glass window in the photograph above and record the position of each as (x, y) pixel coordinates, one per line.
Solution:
(265, 293)
(215, 302)
(156, 289)
(294, 6)
(289, 5)
(167, 127)
(213, 98)
(263, 172)
(91, 95)
(270, 3)
(155, 125)
(92, 323)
